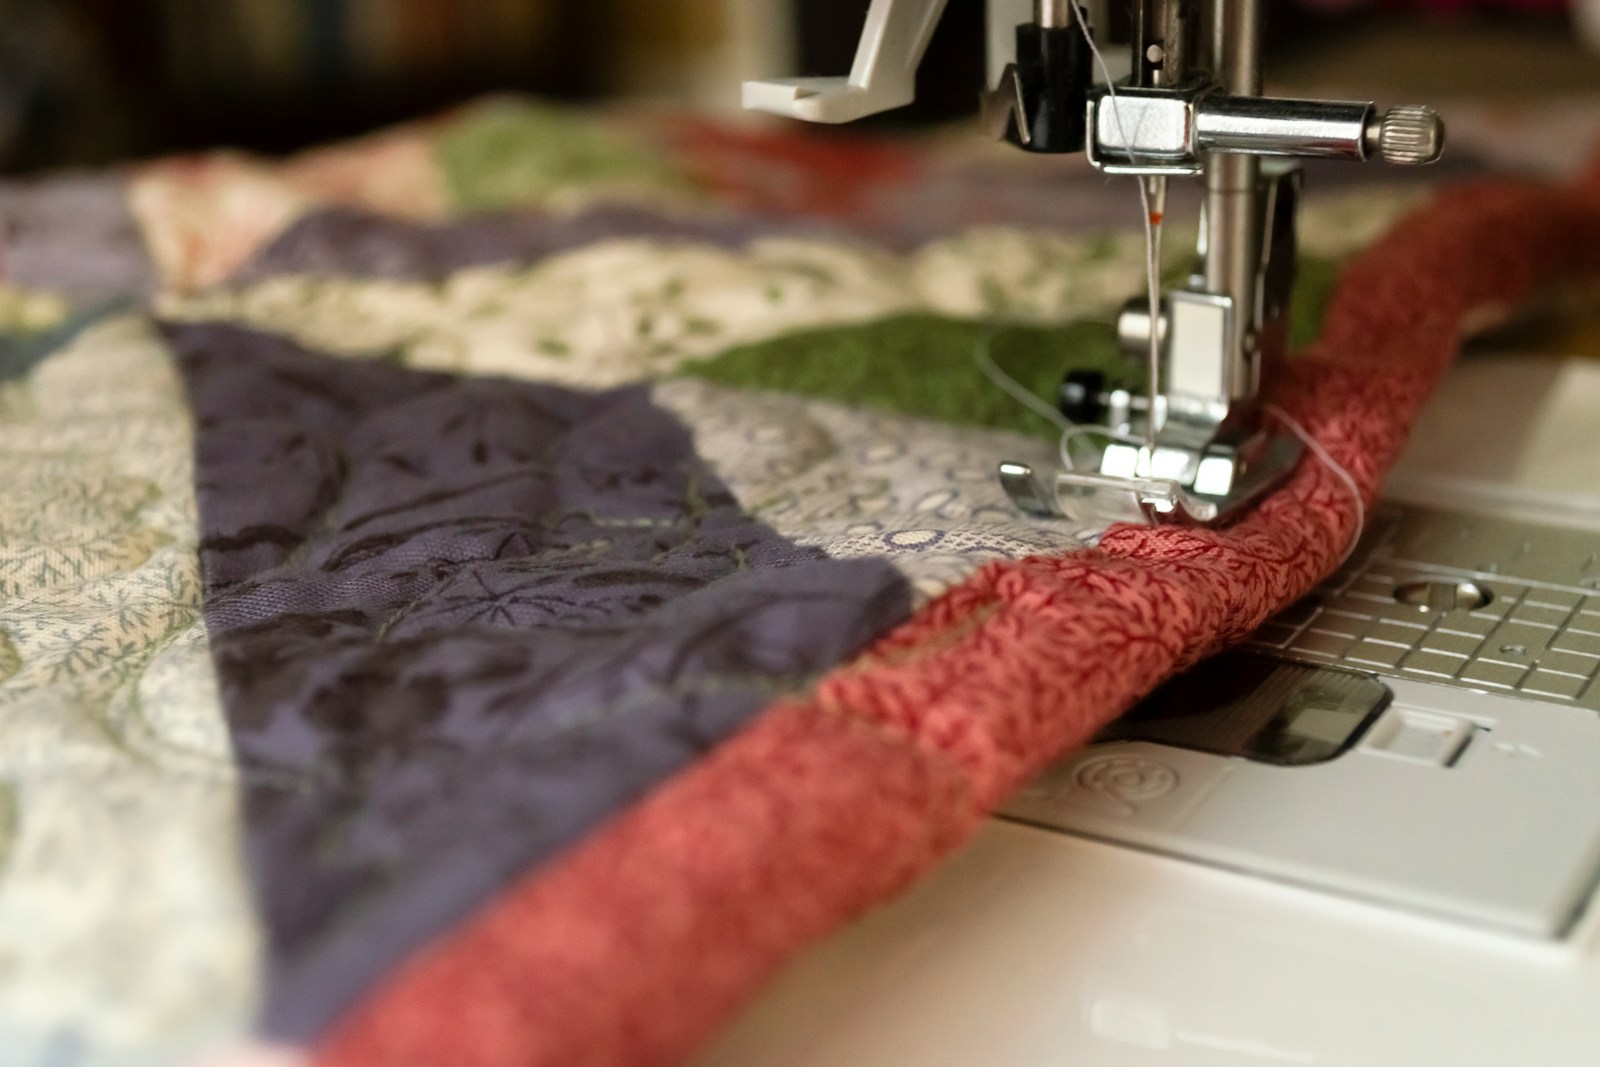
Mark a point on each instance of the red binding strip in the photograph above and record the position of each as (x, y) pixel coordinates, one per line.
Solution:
(640, 942)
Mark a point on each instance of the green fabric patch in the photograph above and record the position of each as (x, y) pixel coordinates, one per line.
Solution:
(512, 152)
(1314, 282)
(925, 365)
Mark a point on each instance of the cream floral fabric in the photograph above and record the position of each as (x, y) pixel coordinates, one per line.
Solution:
(622, 310)
(128, 930)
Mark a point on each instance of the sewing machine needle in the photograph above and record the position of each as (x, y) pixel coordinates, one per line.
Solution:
(1155, 205)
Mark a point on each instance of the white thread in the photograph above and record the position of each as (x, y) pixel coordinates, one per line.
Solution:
(1152, 230)
(1015, 389)
(1333, 465)
(1068, 436)
(1070, 430)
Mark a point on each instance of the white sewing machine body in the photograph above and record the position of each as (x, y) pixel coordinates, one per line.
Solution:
(1036, 949)
(1374, 839)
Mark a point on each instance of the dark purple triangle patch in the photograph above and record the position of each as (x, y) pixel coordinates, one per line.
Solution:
(459, 623)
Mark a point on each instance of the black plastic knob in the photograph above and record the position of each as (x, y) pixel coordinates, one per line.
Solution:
(1082, 397)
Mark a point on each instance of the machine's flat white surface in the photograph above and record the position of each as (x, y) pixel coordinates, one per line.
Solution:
(1035, 949)
(1521, 430)
(1501, 830)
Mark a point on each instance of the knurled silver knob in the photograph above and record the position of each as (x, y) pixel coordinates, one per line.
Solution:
(1406, 135)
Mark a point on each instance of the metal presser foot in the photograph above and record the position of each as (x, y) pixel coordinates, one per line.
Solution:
(1097, 497)
(1196, 449)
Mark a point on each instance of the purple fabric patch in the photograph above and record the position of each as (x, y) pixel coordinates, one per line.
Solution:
(74, 235)
(348, 242)
(460, 622)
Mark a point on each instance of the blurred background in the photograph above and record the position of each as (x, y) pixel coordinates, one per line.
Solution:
(88, 81)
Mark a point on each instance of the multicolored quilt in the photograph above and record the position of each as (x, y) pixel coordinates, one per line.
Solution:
(489, 593)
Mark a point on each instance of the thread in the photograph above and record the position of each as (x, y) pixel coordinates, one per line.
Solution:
(1338, 469)
(1154, 219)
(1013, 388)
(1070, 431)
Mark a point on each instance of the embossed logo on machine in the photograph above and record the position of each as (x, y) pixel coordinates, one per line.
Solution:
(1120, 784)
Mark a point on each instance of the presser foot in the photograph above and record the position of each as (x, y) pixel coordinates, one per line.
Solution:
(1095, 498)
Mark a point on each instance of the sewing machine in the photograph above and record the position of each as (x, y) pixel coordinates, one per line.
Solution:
(1372, 835)
(1195, 447)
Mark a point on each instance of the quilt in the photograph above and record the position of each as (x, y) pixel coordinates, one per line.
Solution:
(490, 592)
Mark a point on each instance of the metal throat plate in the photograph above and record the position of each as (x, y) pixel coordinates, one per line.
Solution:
(1391, 609)
(1471, 795)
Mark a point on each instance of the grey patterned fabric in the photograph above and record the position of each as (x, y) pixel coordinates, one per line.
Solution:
(459, 622)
